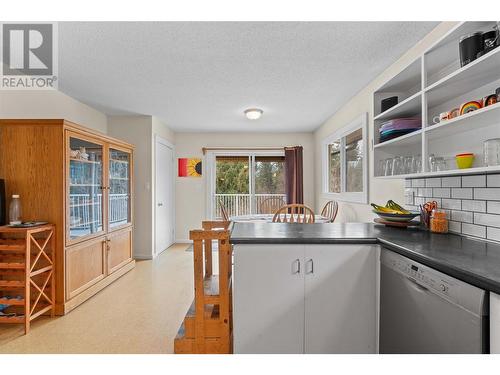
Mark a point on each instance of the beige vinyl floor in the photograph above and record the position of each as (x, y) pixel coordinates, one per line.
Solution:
(139, 313)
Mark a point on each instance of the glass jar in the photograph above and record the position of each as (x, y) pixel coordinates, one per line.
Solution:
(438, 222)
(491, 152)
(15, 210)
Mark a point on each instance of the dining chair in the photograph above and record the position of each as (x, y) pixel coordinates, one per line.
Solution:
(223, 210)
(330, 210)
(294, 213)
(271, 205)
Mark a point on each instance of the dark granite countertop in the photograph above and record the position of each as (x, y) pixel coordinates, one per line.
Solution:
(473, 261)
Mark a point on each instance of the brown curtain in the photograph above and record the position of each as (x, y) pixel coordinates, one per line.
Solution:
(294, 175)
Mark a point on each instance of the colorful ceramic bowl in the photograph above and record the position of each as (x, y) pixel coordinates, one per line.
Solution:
(464, 161)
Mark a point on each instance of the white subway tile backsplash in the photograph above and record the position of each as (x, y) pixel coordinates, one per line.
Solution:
(493, 180)
(455, 227)
(424, 192)
(453, 204)
(441, 192)
(419, 200)
(471, 203)
(461, 193)
(474, 230)
(476, 206)
(493, 207)
(474, 181)
(451, 182)
(493, 234)
(487, 219)
(418, 182)
(433, 182)
(462, 216)
(491, 194)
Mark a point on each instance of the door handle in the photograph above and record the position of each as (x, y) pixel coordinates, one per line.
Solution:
(310, 266)
(296, 266)
(160, 204)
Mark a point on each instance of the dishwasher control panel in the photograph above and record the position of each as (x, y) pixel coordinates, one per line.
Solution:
(422, 275)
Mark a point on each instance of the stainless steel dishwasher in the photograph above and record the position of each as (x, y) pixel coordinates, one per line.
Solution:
(425, 311)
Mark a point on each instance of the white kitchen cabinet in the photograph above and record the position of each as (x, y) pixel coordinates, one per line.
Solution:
(268, 299)
(340, 299)
(494, 323)
(304, 298)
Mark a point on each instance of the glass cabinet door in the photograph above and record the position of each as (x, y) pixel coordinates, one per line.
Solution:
(85, 188)
(119, 188)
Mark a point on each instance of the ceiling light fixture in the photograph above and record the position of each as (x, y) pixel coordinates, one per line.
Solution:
(253, 113)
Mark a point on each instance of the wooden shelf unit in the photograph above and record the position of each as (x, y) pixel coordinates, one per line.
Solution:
(36, 164)
(27, 273)
(441, 86)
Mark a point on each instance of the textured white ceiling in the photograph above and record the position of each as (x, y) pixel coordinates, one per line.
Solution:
(200, 76)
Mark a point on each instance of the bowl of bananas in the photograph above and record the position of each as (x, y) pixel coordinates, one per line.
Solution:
(394, 212)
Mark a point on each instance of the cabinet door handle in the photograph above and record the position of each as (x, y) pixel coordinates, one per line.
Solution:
(296, 266)
(310, 266)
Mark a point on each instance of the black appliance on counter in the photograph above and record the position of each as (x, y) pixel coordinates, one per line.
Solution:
(3, 203)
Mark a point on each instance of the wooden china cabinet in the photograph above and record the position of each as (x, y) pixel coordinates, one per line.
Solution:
(81, 181)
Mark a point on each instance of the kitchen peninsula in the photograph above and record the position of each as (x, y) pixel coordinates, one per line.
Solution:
(302, 279)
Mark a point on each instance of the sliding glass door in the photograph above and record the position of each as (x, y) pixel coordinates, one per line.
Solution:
(245, 182)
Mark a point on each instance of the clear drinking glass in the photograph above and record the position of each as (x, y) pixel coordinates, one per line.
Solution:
(388, 167)
(398, 165)
(492, 152)
(417, 164)
(382, 165)
(408, 163)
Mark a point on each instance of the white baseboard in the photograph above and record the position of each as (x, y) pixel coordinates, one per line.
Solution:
(143, 257)
(183, 241)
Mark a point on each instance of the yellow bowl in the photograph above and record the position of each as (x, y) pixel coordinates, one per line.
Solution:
(464, 161)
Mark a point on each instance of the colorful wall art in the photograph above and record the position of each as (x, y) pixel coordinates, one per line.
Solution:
(189, 167)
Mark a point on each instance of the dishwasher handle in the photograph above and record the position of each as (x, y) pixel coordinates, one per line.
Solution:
(417, 285)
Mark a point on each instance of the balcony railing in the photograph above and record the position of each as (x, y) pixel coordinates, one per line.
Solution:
(86, 212)
(241, 204)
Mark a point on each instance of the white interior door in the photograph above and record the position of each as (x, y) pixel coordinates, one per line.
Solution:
(164, 197)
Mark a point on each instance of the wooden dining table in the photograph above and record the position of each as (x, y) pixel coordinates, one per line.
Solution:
(268, 218)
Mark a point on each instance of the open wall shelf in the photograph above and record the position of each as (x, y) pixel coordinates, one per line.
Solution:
(442, 86)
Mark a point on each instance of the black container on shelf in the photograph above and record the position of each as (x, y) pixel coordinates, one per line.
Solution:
(490, 41)
(387, 103)
(3, 203)
(470, 46)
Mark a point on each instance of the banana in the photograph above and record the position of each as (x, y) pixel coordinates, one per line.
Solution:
(384, 209)
(393, 205)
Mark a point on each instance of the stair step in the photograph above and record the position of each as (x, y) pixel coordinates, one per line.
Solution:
(211, 289)
(188, 346)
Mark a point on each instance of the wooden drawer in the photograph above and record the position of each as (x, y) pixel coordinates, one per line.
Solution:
(85, 265)
(119, 249)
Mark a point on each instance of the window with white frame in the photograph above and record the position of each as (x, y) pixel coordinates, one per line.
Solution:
(345, 166)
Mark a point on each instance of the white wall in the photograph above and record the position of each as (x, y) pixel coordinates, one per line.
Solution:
(140, 131)
(191, 192)
(25, 104)
(137, 131)
(379, 190)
